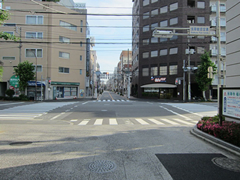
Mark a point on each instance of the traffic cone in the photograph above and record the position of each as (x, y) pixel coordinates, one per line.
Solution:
(56, 98)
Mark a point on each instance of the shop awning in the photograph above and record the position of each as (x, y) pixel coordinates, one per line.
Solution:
(159, 85)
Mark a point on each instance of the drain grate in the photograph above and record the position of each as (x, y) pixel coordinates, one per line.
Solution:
(102, 166)
(21, 143)
(226, 163)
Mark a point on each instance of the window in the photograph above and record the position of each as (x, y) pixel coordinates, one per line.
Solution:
(154, 40)
(63, 70)
(34, 53)
(34, 35)
(163, 69)
(222, 21)
(191, 3)
(163, 52)
(173, 50)
(174, 21)
(145, 2)
(154, 25)
(80, 57)
(200, 50)
(80, 43)
(174, 37)
(145, 28)
(223, 36)
(154, 12)
(64, 55)
(201, 20)
(34, 19)
(64, 39)
(164, 23)
(9, 24)
(39, 68)
(163, 9)
(163, 39)
(145, 72)
(153, 1)
(173, 69)
(191, 19)
(222, 7)
(154, 53)
(68, 25)
(145, 41)
(8, 58)
(9, 32)
(201, 4)
(173, 6)
(154, 71)
(145, 15)
(145, 54)
(80, 71)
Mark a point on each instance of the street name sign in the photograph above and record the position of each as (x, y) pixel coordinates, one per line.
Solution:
(200, 30)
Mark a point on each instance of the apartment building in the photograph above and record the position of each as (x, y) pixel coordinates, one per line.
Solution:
(126, 67)
(53, 39)
(158, 62)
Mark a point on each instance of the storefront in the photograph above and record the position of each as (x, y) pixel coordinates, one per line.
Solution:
(31, 90)
(65, 90)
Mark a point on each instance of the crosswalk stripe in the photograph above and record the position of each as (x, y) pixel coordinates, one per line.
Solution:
(184, 122)
(98, 122)
(156, 122)
(113, 122)
(142, 121)
(84, 122)
(170, 122)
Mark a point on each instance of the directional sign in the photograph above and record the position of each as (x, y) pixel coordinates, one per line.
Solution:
(199, 30)
(14, 81)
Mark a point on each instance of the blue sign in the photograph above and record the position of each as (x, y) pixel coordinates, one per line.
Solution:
(33, 83)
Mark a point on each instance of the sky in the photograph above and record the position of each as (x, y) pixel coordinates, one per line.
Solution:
(118, 30)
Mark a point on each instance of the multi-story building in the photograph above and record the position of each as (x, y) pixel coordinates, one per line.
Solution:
(53, 41)
(126, 68)
(158, 62)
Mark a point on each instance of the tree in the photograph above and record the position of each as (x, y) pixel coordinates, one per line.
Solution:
(25, 71)
(201, 76)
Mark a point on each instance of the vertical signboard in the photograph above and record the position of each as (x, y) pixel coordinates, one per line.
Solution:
(231, 102)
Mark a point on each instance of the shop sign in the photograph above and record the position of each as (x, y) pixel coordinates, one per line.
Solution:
(14, 81)
(158, 79)
(32, 83)
(151, 90)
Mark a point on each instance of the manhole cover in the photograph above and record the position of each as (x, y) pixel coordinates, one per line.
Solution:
(226, 163)
(102, 166)
(20, 143)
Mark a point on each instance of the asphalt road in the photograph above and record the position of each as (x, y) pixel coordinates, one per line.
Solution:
(109, 138)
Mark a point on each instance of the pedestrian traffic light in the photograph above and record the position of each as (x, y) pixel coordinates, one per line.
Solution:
(177, 81)
(49, 82)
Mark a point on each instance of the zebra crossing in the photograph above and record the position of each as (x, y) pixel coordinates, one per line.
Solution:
(112, 100)
(134, 121)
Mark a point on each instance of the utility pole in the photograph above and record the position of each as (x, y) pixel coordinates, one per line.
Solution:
(128, 87)
(184, 82)
(20, 46)
(189, 72)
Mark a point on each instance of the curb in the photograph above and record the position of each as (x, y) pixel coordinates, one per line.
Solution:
(215, 141)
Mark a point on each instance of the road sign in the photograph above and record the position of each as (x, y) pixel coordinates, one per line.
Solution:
(14, 81)
(162, 34)
(199, 30)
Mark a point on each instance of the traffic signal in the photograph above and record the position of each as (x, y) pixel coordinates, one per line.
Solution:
(49, 82)
(177, 81)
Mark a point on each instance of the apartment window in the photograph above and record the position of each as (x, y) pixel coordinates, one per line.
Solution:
(68, 25)
(145, 72)
(64, 39)
(80, 71)
(191, 3)
(173, 69)
(173, 21)
(223, 36)
(63, 70)
(173, 6)
(201, 20)
(154, 40)
(34, 19)
(81, 44)
(34, 35)
(163, 52)
(81, 22)
(222, 7)
(145, 28)
(163, 69)
(154, 25)
(9, 32)
(154, 12)
(154, 71)
(173, 50)
(163, 9)
(81, 29)
(222, 21)
(201, 4)
(153, 1)
(163, 39)
(191, 19)
(145, 54)
(34, 52)
(145, 15)
(174, 37)
(64, 55)
(9, 24)
(200, 50)
(39, 68)
(80, 57)
(145, 2)
(8, 58)
(164, 23)
(154, 53)
(145, 41)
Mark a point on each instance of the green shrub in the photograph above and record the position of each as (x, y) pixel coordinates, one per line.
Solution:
(10, 92)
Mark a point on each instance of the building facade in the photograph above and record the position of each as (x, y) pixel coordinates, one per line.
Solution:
(159, 62)
(53, 41)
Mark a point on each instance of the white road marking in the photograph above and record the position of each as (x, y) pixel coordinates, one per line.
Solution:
(85, 103)
(57, 116)
(156, 122)
(73, 120)
(170, 122)
(184, 122)
(98, 122)
(113, 122)
(142, 122)
(84, 122)
(185, 117)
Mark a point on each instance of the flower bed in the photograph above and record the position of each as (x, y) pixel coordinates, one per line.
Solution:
(229, 131)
